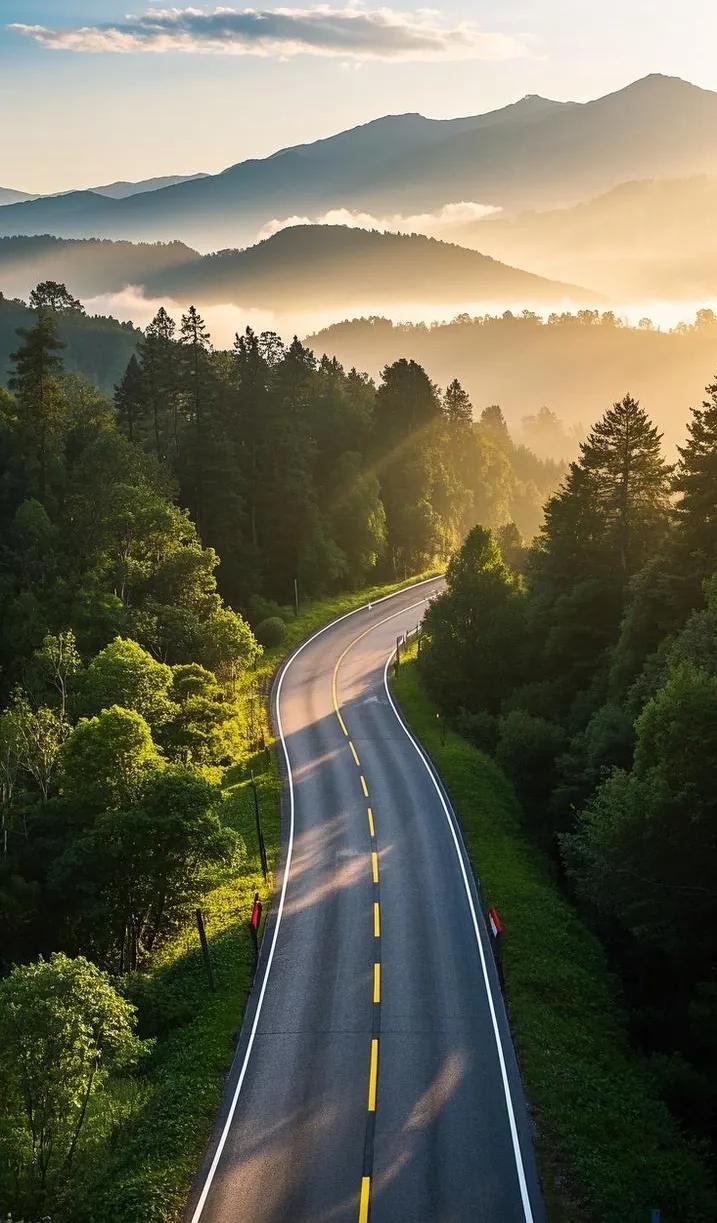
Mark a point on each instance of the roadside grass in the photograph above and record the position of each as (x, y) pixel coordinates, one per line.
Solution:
(166, 1111)
(608, 1149)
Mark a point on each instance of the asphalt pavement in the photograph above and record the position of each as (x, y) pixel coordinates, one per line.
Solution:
(375, 1076)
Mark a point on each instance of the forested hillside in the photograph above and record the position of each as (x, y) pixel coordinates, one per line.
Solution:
(293, 468)
(128, 708)
(569, 362)
(95, 346)
(587, 665)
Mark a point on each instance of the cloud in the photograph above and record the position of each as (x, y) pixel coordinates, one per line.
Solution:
(132, 305)
(350, 34)
(443, 223)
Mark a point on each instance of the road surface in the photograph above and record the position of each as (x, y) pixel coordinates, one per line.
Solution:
(375, 1075)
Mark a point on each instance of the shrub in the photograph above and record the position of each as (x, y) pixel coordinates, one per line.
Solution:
(270, 632)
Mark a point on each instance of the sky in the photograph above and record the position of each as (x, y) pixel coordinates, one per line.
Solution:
(89, 94)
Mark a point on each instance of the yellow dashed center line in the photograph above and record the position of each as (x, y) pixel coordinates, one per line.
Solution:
(374, 866)
(365, 1199)
(376, 920)
(371, 825)
(377, 982)
(373, 1076)
(353, 753)
(364, 787)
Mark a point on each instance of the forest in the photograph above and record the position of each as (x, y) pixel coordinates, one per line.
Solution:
(586, 666)
(150, 543)
(572, 362)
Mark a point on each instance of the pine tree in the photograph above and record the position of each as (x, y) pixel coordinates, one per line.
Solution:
(457, 408)
(158, 359)
(52, 295)
(130, 399)
(696, 482)
(406, 441)
(622, 456)
(197, 387)
(35, 383)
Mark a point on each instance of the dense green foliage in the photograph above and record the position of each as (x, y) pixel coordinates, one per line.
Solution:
(121, 675)
(294, 469)
(608, 1148)
(96, 346)
(598, 694)
(132, 703)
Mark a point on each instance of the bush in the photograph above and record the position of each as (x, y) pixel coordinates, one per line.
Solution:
(480, 729)
(260, 609)
(270, 632)
(527, 750)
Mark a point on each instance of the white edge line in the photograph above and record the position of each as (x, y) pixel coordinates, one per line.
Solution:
(287, 866)
(527, 1209)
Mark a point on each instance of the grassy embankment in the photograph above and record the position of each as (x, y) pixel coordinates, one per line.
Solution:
(608, 1149)
(168, 1110)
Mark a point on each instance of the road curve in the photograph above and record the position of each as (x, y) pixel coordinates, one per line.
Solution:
(375, 1075)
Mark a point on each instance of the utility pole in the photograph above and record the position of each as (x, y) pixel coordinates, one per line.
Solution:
(296, 596)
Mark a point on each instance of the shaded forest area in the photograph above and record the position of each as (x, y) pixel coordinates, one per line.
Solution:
(587, 666)
(96, 346)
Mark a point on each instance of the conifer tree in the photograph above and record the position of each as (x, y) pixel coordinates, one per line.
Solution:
(196, 386)
(457, 408)
(158, 357)
(130, 399)
(40, 404)
(696, 483)
(622, 457)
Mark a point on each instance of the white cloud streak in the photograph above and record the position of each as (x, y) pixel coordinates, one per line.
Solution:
(350, 34)
(443, 223)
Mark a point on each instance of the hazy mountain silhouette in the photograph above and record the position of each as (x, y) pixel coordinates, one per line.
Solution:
(298, 269)
(115, 191)
(535, 153)
(90, 266)
(306, 266)
(641, 240)
(122, 190)
(9, 196)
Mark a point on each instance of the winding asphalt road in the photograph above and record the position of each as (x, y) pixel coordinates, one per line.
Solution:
(375, 1075)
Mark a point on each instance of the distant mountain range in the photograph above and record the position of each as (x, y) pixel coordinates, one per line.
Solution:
(337, 267)
(536, 153)
(89, 266)
(114, 191)
(9, 196)
(648, 239)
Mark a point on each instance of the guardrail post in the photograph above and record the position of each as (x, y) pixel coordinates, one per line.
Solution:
(254, 927)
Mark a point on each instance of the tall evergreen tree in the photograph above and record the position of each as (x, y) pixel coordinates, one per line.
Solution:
(130, 399)
(40, 404)
(696, 483)
(197, 385)
(622, 457)
(158, 357)
(406, 441)
(457, 408)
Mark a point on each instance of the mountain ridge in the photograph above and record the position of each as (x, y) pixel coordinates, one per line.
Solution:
(289, 271)
(532, 153)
